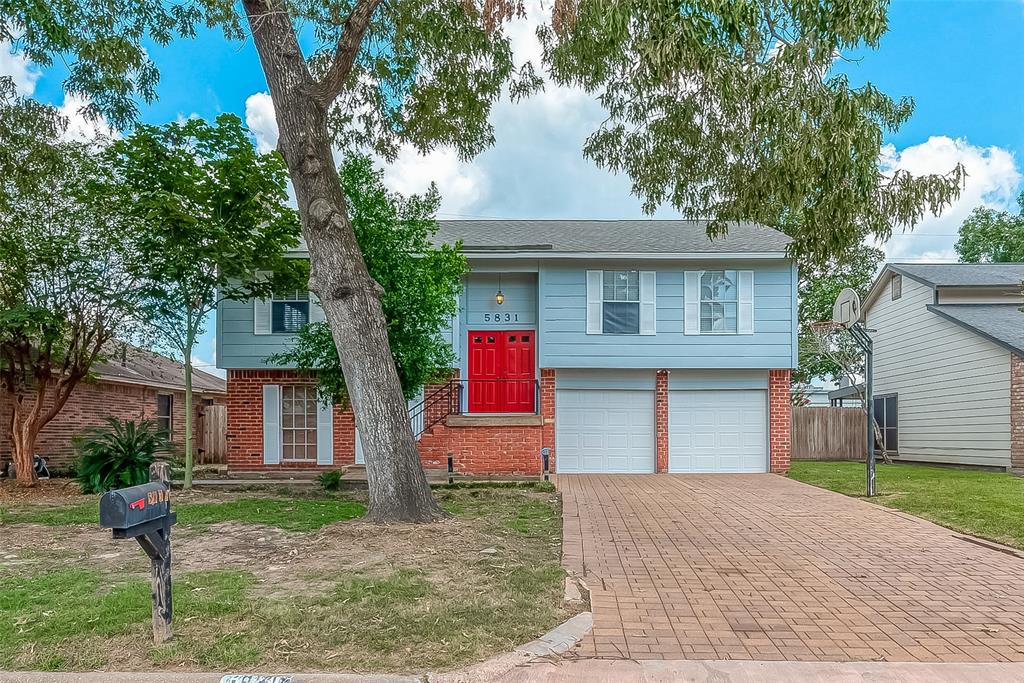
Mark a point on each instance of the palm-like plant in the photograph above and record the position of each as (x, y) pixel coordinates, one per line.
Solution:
(119, 454)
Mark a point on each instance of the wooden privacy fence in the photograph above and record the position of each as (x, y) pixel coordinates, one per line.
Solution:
(824, 433)
(213, 436)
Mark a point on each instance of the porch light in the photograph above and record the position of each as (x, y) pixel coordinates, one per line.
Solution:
(499, 298)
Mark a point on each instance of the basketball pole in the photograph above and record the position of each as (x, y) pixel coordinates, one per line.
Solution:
(863, 339)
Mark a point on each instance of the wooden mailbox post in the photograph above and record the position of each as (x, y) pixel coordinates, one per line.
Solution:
(144, 513)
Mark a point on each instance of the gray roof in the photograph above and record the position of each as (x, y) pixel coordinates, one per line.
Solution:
(625, 236)
(1000, 323)
(964, 274)
(127, 363)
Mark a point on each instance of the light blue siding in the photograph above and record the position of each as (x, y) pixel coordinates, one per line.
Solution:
(717, 379)
(605, 379)
(237, 346)
(565, 344)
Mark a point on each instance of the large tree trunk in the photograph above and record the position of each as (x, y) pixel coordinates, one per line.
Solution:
(24, 433)
(338, 275)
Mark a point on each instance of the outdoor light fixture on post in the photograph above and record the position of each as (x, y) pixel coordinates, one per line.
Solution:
(499, 298)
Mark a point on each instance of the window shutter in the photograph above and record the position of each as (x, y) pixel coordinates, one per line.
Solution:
(316, 311)
(261, 309)
(595, 283)
(691, 299)
(745, 317)
(271, 424)
(324, 434)
(648, 302)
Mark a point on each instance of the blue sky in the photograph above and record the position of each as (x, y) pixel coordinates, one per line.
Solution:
(961, 61)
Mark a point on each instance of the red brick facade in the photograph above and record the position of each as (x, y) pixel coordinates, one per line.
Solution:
(89, 406)
(780, 415)
(661, 419)
(1016, 413)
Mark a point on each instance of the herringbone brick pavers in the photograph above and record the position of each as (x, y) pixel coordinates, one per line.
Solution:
(762, 567)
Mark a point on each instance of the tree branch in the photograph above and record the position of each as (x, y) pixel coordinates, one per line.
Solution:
(329, 87)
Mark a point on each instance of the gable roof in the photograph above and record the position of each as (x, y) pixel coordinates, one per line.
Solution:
(999, 323)
(963, 274)
(132, 365)
(618, 237)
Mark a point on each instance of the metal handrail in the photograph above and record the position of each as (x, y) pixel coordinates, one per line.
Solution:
(448, 400)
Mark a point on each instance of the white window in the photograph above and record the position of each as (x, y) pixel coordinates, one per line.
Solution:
(719, 301)
(896, 284)
(621, 302)
(289, 311)
(298, 423)
(165, 413)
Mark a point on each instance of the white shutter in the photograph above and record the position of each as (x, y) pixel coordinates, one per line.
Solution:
(261, 309)
(648, 302)
(691, 299)
(595, 295)
(316, 311)
(324, 434)
(745, 317)
(271, 424)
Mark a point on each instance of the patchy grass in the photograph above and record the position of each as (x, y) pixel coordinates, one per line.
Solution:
(307, 596)
(283, 513)
(982, 503)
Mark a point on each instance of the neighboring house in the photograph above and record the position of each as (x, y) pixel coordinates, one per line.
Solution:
(620, 346)
(810, 395)
(949, 362)
(133, 384)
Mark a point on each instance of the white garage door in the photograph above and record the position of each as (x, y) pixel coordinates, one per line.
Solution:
(604, 430)
(717, 431)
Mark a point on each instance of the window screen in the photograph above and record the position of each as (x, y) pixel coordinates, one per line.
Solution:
(289, 311)
(165, 412)
(719, 301)
(621, 302)
(298, 422)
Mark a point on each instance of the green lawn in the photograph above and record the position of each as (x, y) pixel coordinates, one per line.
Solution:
(982, 503)
(354, 596)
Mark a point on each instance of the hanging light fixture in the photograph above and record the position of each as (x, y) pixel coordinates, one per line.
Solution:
(499, 298)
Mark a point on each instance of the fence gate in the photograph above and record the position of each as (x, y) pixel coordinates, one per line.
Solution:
(213, 443)
(823, 433)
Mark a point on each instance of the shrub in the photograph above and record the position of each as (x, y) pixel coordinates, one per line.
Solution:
(330, 481)
(119, 454)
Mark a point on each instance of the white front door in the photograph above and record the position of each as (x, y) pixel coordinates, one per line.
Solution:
(718, 431)
(599, 430)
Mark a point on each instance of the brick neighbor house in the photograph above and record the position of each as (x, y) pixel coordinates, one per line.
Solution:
(949, 362)
(619, 346)
(134, 384)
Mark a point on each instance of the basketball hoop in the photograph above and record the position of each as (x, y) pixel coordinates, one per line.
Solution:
(826, 327)
(846, 310)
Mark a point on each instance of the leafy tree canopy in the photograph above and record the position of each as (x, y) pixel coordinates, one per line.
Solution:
(990, 236)
(420, 283)
(725, 110)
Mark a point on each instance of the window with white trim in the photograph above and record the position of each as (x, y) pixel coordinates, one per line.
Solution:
(165, 413)
(289, 311)
(719, 301)
(620, 308)
(298, 422)
(887, 417)
(896, 286)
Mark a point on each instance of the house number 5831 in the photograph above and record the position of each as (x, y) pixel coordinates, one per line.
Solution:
(501, 317)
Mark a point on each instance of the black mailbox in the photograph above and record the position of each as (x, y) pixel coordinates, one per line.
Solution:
(136, 510)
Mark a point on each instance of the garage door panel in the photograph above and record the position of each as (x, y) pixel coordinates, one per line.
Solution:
(718, 431)
(604, 430)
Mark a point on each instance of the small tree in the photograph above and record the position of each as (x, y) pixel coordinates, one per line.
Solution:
(990, 236)
(66, 282)
(213, 216)
(420, 282)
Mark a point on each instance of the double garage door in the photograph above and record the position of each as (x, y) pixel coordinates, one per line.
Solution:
(613, 431)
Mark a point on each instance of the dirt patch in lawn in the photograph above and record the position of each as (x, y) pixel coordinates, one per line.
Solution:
(45, 491)
(347, 596)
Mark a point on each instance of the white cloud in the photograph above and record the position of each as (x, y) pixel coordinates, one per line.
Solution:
(16, 65)
(461, 185)
(83, 128)
(260, 119)
(993, 180)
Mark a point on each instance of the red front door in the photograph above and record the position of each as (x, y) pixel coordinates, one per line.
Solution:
(501, 371)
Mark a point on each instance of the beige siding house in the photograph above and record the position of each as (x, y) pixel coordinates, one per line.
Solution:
(949, 362)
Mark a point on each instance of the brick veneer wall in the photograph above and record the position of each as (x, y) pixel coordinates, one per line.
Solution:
(661, 419)
(1016, 413)
(245, 422)
(89, 406)
(780, 416)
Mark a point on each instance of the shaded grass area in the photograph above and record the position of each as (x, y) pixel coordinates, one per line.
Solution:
(288, 514)
(987, 504)
(494, 583)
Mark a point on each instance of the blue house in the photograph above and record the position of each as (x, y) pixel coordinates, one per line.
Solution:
(634, 346)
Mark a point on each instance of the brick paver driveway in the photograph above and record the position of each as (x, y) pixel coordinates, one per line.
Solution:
(762, 567)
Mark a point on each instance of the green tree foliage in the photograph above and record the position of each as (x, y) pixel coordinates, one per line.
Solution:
(67, 287)
(990, 236)
(420, 281)
(212, 215)
(119, 454)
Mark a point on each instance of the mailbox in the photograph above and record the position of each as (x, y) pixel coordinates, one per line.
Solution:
(136, 510)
